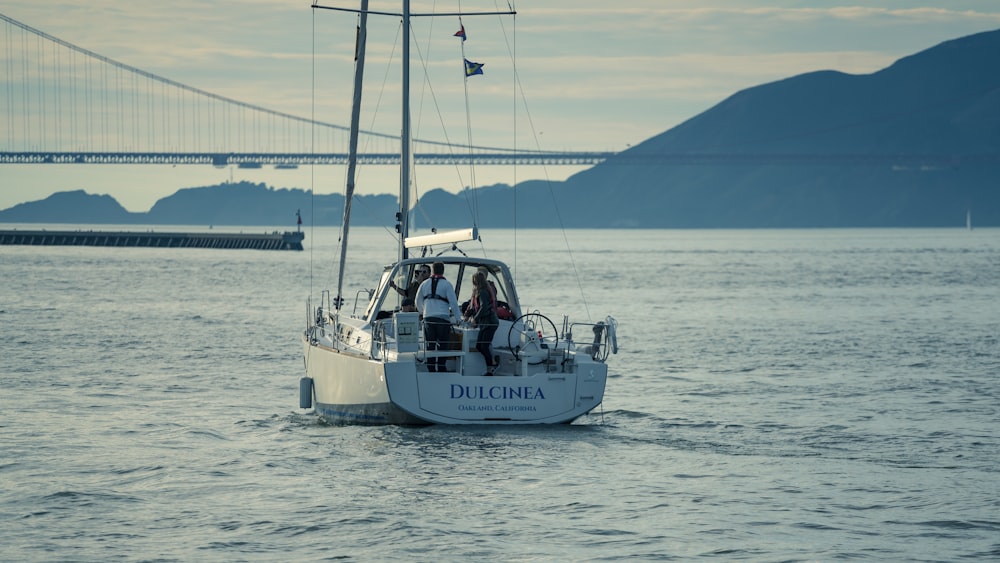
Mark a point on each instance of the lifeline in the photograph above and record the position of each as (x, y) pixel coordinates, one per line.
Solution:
(495, 392)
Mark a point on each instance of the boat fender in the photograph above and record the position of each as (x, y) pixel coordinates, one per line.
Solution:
(613, 333)
(595, 348)
(305, 393)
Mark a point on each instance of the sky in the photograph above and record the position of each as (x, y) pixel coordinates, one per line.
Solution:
(591, 75)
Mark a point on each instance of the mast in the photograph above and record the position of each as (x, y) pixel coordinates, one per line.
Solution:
(405, 156)
(352, 156)
(405, 135)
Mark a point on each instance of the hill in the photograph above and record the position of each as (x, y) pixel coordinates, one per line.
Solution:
(76, 206)
(241, 203)
(916, 144)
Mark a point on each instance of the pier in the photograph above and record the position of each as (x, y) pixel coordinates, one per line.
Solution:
(288, 240)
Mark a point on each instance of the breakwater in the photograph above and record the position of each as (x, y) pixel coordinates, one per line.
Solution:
(288, 240)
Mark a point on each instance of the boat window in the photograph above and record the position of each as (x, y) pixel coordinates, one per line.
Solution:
(464, 287)
(378, 296)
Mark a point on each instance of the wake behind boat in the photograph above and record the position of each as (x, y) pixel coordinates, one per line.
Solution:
(371, 362)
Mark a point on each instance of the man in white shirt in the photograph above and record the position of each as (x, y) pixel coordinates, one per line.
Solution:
(437, 302)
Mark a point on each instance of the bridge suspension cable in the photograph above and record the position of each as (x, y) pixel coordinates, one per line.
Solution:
(169, 82)
(61, 108)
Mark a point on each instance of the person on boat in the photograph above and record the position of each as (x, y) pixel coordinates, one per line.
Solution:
(501, 308)
(484, 316)
(408, 306)
(410, 292)
(437, 302)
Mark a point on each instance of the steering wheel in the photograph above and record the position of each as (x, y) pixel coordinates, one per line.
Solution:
(532, 327)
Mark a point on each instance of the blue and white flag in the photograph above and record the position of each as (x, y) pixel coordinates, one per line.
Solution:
(473, 68)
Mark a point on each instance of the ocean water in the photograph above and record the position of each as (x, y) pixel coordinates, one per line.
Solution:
(779, 396)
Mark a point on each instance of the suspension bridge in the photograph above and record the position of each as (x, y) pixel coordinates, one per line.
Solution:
(61, 103)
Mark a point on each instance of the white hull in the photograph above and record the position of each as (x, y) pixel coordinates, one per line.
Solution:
(350, 389)
(544, 398)
(354, 389)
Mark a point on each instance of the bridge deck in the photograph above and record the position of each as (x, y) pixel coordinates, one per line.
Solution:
(291, 160)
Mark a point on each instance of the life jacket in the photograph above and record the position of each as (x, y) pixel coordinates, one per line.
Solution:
(474, 301)
(500, 309)
(434, 286)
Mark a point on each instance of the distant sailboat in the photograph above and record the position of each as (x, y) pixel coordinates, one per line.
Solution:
(968, 219)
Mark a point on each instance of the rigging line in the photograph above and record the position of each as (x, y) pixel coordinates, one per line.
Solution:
(420, 113)
(357, 82)
(378, 103)
(468, 127)
(513, 89)
(548, 181)
(423, 89)
(312, 166)
(514, 117)
(385, 81)
(444, 130)
(468, 135)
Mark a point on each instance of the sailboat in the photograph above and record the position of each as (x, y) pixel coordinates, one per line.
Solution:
(370, 363)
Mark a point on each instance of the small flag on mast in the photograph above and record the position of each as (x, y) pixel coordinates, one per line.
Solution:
(472, 68)
(461, 33)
